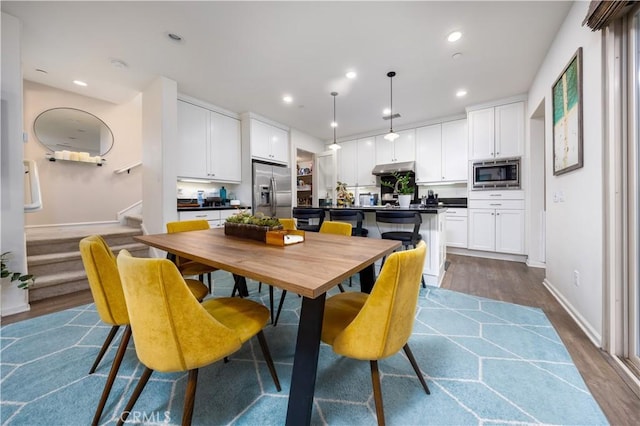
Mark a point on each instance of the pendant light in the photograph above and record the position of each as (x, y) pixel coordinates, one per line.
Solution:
(391, 136)
(334, 146)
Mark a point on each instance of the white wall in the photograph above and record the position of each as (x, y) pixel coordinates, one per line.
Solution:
(305, 142)
(11, 169)
(574, 232)
(64, 183)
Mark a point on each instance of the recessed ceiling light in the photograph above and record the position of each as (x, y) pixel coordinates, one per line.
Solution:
(351, 74)
(457, 55)
(174, 37)
(288, 99)
(386, 111)
(80, 83)
(454, 36)
(460, 93)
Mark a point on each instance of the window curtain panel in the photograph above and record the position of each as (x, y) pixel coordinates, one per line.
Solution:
(602, 13)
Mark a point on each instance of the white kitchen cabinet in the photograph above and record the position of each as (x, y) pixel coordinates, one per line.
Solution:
(496, 132)
(457, 227)
(496, 223)
(441, 152)
(356, 160)
(269, 142)
(401, 150)
(210, 146)
(216, 218)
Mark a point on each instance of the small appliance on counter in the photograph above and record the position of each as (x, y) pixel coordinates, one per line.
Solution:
(431, 200)
(368, 199)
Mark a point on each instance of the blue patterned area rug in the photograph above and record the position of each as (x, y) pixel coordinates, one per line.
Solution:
(486, 362)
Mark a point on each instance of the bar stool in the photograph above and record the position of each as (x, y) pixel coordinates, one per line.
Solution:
(409, 239)
(305, 215)
(352, 216)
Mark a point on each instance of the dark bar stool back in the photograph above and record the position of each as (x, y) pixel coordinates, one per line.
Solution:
(305, 215)
(409, 239)
(355, 217)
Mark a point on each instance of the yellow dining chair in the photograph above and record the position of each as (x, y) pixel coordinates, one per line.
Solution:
(106, 288)
(376, 326)
(185, 266)
(173, 332)
(327, 227)
(288, 223)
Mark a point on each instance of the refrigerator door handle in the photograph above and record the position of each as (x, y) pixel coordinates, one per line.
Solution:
(274, 197)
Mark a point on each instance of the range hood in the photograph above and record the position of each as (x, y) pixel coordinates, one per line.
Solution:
(386, 169)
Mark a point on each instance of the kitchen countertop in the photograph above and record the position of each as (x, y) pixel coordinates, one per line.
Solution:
(425, 210)
(197, 209)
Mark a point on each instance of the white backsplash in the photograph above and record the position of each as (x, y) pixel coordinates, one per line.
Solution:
(190, 189)
(457, 190)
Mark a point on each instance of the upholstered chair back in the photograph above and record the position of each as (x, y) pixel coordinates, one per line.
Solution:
(172, 331)
(338, 228)
(187, 225)
(385, 322)
(104, 280)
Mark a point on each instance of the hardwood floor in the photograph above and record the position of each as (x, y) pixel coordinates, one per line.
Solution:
(500, 280)
(516, 283)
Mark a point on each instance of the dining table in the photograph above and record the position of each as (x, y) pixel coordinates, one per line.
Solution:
(309, 268)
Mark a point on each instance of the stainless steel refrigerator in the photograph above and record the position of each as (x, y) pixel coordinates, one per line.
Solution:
(271, 189)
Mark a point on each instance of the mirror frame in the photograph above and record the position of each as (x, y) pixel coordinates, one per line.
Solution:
(47, 145)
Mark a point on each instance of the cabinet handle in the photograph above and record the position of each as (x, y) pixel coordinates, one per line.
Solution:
(495, 195)
(495, 204)
(491, 214)
(201, 215)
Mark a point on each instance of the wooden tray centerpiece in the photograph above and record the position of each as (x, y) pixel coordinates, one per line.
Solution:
(245, 225)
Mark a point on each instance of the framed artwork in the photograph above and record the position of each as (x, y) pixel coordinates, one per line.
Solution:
(567, 117)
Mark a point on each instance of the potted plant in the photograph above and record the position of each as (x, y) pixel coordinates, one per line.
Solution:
(245, 225)
(24, 280)
(402, 187)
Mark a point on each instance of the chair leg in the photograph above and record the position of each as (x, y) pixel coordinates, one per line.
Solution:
(105, 346)
(209, 281)
(271, 302)
(284, 294)
(349, 281)
(423, 284)
(190, 397)
(267, 357)
(341, 288)
(115, 366)
(414, 364)
(136, 393)
(377, 391)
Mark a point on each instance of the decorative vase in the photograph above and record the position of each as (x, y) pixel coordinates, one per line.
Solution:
(405, 200)
(253, 232)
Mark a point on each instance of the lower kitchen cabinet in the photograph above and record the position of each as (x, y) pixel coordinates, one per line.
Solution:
(457, 227)
(499, 230)
(216, 218)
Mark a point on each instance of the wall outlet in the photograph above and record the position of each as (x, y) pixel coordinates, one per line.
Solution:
(576, 278)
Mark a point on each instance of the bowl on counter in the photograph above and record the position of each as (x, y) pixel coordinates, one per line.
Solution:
(234, 202)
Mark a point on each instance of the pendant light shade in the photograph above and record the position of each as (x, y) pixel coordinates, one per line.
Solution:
(391, 136)
(334, 146)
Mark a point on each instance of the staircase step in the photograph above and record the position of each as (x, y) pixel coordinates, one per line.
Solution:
(62, 239)
(133, 220)
(51, 263)
(58, 284)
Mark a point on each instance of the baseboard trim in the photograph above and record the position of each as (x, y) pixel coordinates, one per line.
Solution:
(487, 254)
(16, 309)
(591, 333)
(533, 264)
(70, 225)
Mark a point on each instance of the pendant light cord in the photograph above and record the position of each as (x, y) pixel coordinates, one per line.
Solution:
(391, 74)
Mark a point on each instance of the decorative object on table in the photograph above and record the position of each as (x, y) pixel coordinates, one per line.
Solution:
(567, 117)
(24, 280)
(245, 225)
(402, 187)
(391, 136)
(345, 198)
(334, 146)
(284, 237)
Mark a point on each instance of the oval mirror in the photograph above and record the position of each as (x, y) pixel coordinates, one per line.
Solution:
(72, 129)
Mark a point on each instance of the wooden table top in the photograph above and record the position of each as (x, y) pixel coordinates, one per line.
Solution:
(310, 268)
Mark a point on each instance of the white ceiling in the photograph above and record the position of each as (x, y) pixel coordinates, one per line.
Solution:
(244, 56)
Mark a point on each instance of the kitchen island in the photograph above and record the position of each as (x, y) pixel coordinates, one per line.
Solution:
(432, 230)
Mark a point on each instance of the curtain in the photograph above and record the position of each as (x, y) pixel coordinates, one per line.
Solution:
(601, 13)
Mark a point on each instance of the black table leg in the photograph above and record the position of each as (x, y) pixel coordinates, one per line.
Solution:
(305, 362)
(367, 278)
(240, 285)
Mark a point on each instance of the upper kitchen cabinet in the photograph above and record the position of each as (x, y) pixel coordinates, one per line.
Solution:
(496, 132)
(441, 152)
(210, 145)
(356, 160)
(268, 142)
(401, 150)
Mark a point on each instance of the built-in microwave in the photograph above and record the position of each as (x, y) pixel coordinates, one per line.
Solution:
(496, 174)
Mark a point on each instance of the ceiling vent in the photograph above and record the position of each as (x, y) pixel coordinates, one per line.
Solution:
(389, 117)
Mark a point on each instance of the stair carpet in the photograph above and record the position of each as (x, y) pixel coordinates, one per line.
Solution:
(53, 255)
